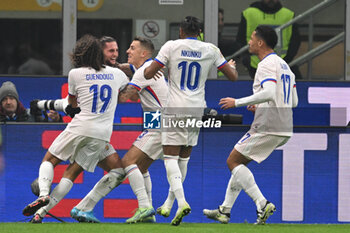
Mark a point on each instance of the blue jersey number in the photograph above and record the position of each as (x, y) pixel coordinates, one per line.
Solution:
(105, 94)
(187, 77)
(286, 87)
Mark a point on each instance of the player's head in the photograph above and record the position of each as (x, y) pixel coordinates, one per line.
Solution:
(190, 27)
(9, 98)
(88, 53)
(139, 51)
(110, 50)
(264, 37)
(271, 3)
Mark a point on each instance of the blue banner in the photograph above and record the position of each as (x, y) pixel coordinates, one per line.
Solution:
(307, 176)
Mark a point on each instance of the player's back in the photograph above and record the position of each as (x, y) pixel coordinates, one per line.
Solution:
(189, 62)
(276, 115)
(97, 94)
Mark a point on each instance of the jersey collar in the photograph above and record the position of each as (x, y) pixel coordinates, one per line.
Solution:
(149, 59)
(268, 55)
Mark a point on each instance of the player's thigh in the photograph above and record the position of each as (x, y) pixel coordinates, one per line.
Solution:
(144, 163)
(110, 162)
(133, 156)
(51, 158)
(72, 171)
(236, 158)
(185, 151)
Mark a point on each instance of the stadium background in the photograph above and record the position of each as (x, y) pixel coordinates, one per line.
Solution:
(314, 167)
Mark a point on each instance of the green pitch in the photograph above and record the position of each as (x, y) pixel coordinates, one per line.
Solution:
(166, 228)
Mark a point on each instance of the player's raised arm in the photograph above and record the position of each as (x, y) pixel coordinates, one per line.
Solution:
(151, 71)
(229, 70)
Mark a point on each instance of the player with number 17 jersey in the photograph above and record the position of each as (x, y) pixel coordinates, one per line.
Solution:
(275, 116)
(97, 94)
(189, 62)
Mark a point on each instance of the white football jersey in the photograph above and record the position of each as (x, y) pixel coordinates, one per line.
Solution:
(153, 93)
(97, 94)
(275, 116)
(189, 62)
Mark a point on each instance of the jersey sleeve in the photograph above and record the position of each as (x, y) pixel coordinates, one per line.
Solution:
(138, 80)
(266, 73)
(164, 54)
(124, 80)
(220, 60)
(71, 83)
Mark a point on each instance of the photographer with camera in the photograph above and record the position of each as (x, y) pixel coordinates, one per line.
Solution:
(12, 110)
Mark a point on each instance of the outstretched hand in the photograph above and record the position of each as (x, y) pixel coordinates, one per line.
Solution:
(227, 103)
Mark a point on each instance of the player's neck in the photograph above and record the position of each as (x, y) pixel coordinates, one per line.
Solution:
(264, 53)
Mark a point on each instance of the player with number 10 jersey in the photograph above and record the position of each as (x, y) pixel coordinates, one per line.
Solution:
(189, 62)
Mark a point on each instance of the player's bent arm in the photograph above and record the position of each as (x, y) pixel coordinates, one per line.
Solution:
(295, 99)
(151, 70)
(267, 94)
(125, 67)
(129, 92)
(72, 100)
(230, 72)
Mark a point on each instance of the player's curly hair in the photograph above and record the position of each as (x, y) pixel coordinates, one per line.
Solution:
(191, 26)
(88, 53)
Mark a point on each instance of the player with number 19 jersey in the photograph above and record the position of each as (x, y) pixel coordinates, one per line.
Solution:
(97, 95)
(189, 62)
(275, 116)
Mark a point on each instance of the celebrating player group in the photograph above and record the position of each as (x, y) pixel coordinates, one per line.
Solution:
(97, 83)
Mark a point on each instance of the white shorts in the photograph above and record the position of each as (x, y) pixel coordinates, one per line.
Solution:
(259, 146)
(150, 143)
(85, 151)
(109, 149)
(180, 136)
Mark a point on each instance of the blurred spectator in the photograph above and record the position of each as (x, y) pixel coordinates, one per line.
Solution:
(272, 13)
(11, 109)
(225, 45)
(24, 61)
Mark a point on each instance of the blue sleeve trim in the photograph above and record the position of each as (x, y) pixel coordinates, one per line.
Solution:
(268, 79)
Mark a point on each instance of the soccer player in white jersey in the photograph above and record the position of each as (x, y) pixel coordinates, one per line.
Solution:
(94, 88)
(274, 97)
(189, 62)
(146, 148)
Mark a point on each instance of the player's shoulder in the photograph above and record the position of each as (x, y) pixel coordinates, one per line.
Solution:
(78, 71)
(114, 70)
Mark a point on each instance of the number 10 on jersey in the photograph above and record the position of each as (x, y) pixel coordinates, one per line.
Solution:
(187, 74)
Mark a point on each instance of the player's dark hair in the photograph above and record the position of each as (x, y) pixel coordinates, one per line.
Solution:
(106, 39)
(146, 43)
(191, 26)
(88, 53)
(267, 34)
